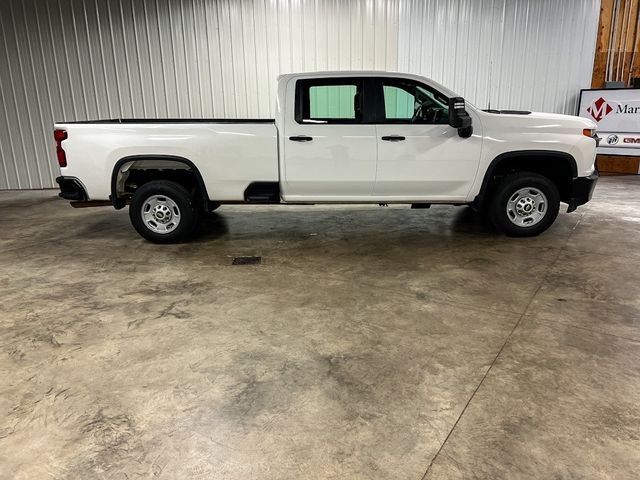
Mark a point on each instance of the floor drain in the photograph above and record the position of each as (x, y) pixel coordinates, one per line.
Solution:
(246, 261)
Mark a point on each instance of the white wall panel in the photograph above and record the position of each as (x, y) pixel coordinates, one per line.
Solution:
(89, 59)
(516, 54)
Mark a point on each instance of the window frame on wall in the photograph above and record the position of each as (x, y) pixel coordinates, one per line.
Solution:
(364, 87)
(380, 113)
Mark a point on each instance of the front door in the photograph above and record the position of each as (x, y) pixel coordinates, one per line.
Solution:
(329, 149)
(420, 156)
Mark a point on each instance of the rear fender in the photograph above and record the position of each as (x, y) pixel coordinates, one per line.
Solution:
(119, 202)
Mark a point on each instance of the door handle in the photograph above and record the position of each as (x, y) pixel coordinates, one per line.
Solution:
(393, 138)
(301, 138)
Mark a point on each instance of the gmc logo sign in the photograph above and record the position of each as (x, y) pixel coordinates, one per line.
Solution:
(631, 140)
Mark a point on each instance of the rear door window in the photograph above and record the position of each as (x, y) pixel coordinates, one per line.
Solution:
(331, 100)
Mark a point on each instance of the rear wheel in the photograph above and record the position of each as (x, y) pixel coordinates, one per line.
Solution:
(524, 204)
(163, 212)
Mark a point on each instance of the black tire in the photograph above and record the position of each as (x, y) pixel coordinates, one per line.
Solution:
(186, 209)
(543, 213)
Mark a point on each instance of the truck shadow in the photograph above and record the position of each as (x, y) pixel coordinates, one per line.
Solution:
(469, 221)
(212, 226)
(291, 224)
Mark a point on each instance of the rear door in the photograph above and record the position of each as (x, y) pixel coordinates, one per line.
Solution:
(330, 141)
(419, 155)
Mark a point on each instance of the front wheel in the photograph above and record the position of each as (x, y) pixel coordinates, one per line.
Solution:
(163, 212)
(524, 204)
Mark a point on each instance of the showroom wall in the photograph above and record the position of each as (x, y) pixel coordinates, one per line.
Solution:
(520, 54)
(89, 59)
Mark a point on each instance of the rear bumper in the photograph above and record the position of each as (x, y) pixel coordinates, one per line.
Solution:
(582, 190)
(71, 189)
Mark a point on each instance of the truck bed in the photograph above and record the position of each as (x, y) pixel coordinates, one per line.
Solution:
(172, 120)
(230, 154)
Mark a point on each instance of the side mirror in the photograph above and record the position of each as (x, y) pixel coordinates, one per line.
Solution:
(459, 118)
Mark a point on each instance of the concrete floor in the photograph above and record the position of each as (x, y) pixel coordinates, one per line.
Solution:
(372, 343)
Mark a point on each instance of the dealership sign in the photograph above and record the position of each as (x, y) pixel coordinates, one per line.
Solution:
(617, 114)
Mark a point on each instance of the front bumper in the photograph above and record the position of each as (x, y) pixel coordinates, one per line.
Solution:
(582, 190)
(71, 189)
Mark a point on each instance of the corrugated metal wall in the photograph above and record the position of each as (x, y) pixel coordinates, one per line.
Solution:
(88, 59)
(519, 54)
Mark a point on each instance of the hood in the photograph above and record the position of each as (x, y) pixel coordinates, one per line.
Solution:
(541, 118)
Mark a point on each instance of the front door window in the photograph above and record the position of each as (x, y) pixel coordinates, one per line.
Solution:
(409, 102)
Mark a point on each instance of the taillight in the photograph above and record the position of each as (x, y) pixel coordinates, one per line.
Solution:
(60, 135)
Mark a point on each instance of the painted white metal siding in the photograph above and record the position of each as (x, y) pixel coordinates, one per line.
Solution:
(86, 59)
(516, 54)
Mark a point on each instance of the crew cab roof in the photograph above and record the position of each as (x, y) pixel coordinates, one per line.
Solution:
(367, 73)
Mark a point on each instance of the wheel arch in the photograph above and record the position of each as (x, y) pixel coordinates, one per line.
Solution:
(120, 202)
(561, 165)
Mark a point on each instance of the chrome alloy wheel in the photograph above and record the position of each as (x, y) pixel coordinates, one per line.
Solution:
(527, 207)
(160, 214)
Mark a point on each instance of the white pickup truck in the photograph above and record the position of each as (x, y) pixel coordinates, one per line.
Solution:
(338, 137)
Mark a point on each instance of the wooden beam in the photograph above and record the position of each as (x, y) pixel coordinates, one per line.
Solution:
(602, 44)
(626, 30)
